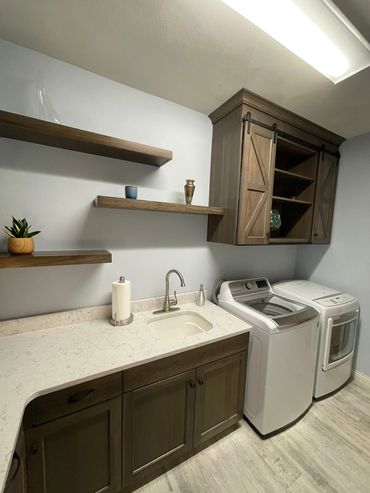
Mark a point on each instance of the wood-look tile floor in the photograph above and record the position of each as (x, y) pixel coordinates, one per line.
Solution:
(326, 451)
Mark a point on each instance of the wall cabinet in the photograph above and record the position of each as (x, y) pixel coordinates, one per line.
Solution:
(112, 434)
(264, 158)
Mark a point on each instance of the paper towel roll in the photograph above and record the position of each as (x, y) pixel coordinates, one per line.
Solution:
(121, 300)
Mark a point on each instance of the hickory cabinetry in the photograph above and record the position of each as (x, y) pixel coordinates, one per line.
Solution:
(176, 404)
(114, 433)
(165, 421)
(158, 423)
(266, 158)
(73, 439)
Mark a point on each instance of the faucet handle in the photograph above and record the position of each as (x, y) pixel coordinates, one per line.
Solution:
(173, 302)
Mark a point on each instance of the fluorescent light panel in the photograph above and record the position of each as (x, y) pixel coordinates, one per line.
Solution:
(315, 30)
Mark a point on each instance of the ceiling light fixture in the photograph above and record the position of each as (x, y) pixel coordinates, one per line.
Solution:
(315, 30)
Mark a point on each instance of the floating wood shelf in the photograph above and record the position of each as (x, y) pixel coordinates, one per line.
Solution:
(288, 240)
(148, 205)
(291, 201)
(20, 127)
(288, 175)
(46, 259)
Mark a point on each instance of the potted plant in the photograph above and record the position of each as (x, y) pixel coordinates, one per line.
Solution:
(20, 239)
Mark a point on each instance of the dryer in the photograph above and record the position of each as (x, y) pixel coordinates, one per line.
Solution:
(338, 325)
(282, 352)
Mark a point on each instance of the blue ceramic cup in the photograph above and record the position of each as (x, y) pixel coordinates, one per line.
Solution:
(130, 192)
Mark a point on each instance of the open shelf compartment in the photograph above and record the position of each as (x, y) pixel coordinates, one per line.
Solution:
(296, 219)
(295, 171)
(295, 159)
(294, 191)
(290, 177)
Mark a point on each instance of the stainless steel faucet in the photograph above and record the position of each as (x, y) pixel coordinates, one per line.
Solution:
(168, 304)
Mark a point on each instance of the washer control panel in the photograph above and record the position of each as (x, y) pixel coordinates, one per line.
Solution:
(249, 286)
(337, 299)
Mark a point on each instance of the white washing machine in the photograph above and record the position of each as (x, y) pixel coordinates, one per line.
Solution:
(282, 352)
(338, 324)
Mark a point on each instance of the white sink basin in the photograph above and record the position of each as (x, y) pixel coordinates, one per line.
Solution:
(179, 324)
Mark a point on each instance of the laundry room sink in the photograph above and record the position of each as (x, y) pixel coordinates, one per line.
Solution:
(179, 324)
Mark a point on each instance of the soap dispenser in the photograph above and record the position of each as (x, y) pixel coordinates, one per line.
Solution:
(201, 298)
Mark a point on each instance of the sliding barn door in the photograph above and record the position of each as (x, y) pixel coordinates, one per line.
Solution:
(256, 185)
(325, 198)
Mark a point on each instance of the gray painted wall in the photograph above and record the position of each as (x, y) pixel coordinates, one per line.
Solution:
(345, 263)
(55, 188)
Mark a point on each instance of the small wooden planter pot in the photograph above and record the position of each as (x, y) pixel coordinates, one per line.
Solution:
(20, 246)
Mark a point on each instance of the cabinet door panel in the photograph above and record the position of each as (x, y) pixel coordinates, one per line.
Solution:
(220, 396)
(16, 481)
(325, 199)
(79, 453)
(158, 424)
(256, 185)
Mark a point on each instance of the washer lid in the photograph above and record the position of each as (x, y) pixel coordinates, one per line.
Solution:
(271, 305)
(284, 313)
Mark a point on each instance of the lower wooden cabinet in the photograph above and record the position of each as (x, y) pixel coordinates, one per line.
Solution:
(167, 420)
(158, 424)
(17, 478)
(219, 397)
(113, 434)
(79, 453)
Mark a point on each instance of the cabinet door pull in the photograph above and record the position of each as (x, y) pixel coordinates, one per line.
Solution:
(200, 381)
(192, 384)
(80, 396)
(16, 459)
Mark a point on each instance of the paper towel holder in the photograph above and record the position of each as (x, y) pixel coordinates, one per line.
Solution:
(120, 323)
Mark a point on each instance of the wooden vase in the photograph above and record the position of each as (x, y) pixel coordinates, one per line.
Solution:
(20, 246)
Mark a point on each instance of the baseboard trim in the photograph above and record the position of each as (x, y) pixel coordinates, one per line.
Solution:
(358, 374)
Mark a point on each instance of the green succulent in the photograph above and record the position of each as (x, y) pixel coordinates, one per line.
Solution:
(20, 229)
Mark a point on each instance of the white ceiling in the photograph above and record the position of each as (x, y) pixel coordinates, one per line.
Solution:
(196, 53)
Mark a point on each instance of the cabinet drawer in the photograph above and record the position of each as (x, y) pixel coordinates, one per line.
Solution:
(72, 399)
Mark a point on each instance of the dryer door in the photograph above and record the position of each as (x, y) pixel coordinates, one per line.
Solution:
(340, 339)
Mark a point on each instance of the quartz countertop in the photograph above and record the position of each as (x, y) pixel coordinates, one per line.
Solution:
(37, 362)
